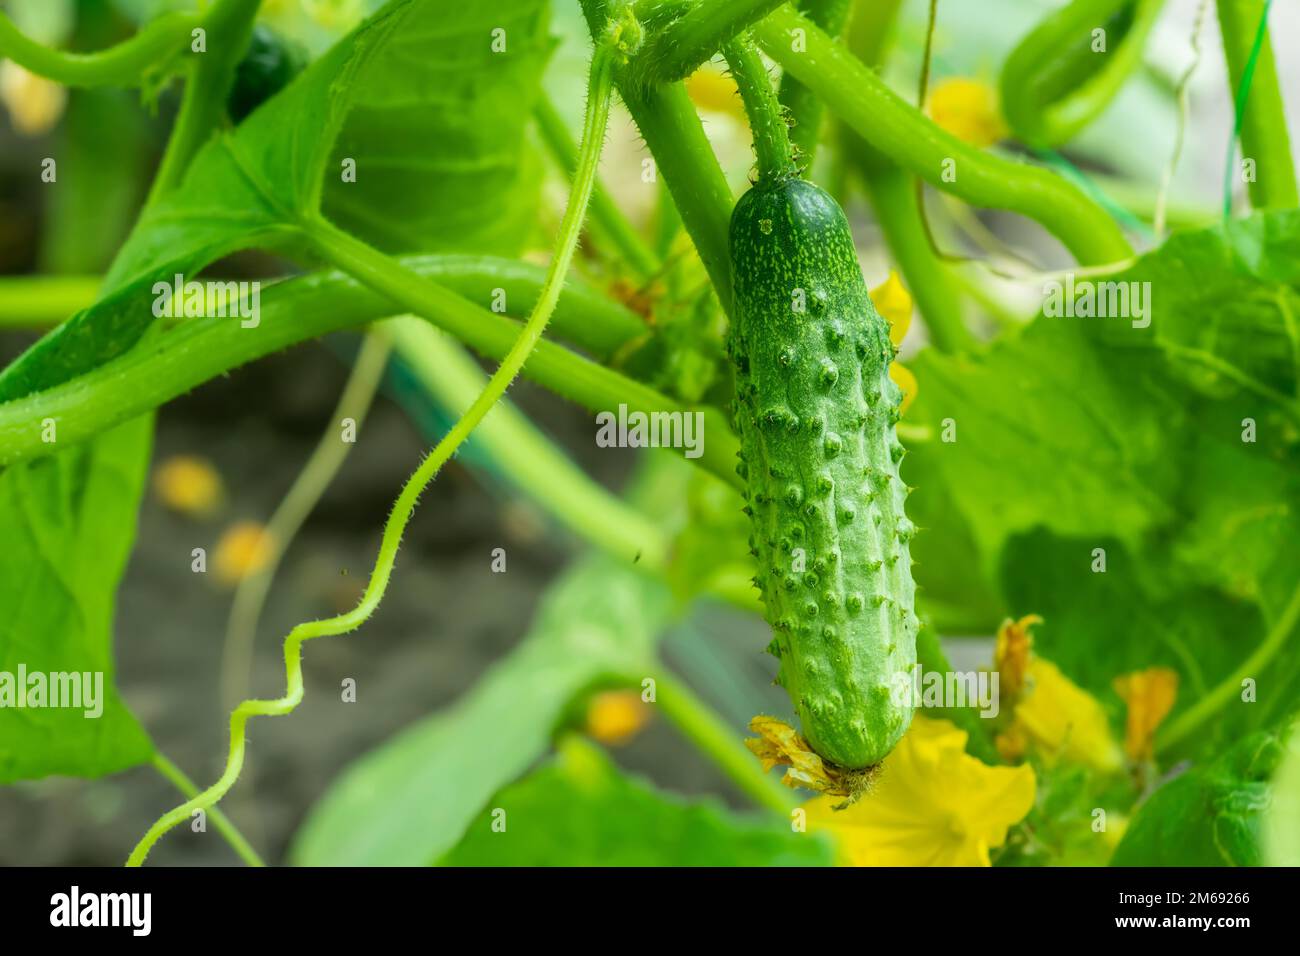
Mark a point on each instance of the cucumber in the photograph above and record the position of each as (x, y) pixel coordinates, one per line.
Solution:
(816, 410)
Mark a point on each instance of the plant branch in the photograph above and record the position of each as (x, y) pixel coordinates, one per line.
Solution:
(607, 220)
(125, 64)
(801, 105)
(600, 87)
(771, 136)
(682, 154)
(903, 134)
(676, 51)
(177, 778)
(1260, 117)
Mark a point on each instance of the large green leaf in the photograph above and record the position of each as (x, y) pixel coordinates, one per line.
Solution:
(1210, 815)
(248, 186)
(579, 810)
(437, 130)
(65, 548)
(1084, 433)
(411, 799)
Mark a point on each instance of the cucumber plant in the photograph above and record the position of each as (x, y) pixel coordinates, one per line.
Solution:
(780, 351)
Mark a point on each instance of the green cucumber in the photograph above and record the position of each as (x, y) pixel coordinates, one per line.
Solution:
(816, 410)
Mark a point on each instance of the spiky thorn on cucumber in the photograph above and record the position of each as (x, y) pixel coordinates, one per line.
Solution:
(816, 410)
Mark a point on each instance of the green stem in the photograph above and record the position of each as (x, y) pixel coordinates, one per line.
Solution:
(721, 743)
(187, 787)
(771, 136)
(533, 464)
(586, 318)
(568, 375)
(125, 64)
(683, 156)
(607, 220)
(38, 302)
(894, 199)
(1260, 117)
(229, 26)
(676, 51)
(875, 112)
(201, 349)
(801, 105)
(1053, 84)
(600, 88)
(293, 510)
(1209, 704)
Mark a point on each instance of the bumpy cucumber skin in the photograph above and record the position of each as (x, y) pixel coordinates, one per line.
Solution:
(816, 410)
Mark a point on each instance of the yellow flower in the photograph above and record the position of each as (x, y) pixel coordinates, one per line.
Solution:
(711, 89)
(932, 804)
(244, 549)
(894, 302)
(614, 717)
(188, 484)
(34, 103)
(968, 108)
(1062, 721)
(1149, 696)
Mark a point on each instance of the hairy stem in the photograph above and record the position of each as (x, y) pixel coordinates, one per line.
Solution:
(177, 778)
(676, 51)
(800, 103)
(606, 219)
(600, 87)
(125, 64)
(876, 113)
(535, 465)
(771, 137)
(683, 156)
(1261, 119)
(298, 503)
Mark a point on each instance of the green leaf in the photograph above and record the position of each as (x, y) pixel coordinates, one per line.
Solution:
(69, 520)
(408, 801)
(1084, 433)
(437, 131)
(579, 810)
(64, 552)
(1210, 815)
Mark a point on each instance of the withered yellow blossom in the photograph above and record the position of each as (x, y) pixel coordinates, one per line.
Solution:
(1149, 696)
(931, 804)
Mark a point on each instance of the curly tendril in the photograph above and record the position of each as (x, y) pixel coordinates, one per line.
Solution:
(597, 115)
